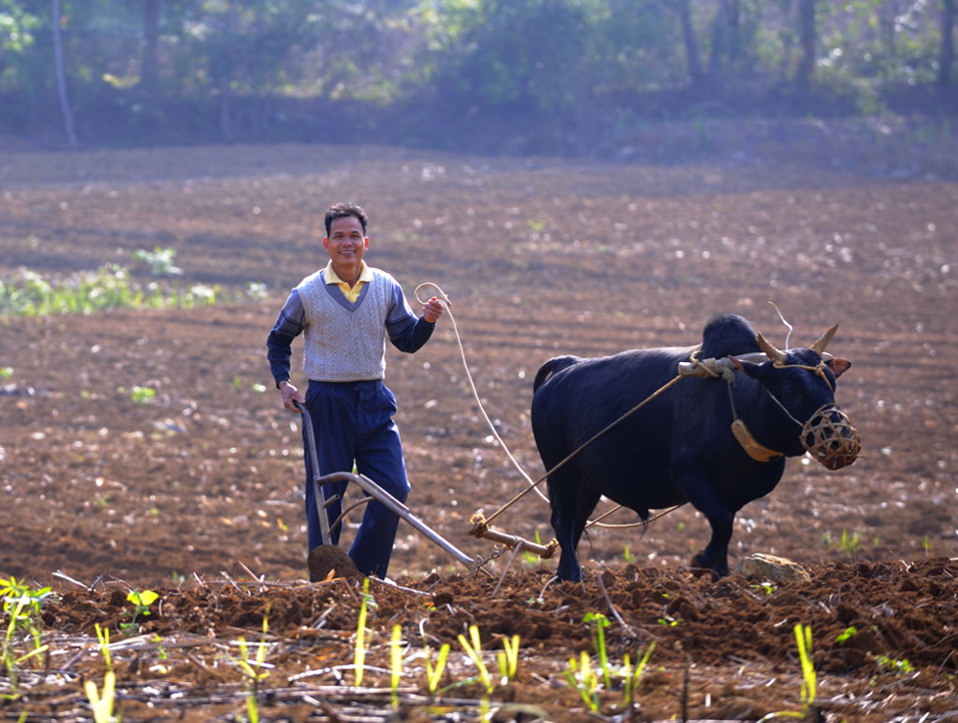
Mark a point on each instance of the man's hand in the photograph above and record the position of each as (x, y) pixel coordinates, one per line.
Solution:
(432, 310)
(291, 396)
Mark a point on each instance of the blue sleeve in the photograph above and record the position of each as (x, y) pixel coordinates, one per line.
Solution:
(406, 331)
(279, 344)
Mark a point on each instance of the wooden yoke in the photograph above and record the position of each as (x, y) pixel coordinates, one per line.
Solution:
(480, 529)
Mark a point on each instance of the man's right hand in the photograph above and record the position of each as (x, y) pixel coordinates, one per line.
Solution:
(291, 396)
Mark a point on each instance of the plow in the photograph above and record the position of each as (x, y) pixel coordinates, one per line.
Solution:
(328, 558)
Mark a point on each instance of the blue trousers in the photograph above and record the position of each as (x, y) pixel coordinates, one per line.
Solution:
(353, 424)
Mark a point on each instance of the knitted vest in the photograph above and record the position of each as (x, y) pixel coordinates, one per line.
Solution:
(344, 344)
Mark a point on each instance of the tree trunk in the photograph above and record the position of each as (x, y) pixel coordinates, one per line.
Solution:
(226, 77)
(806, 61)
(61, 74)
(696, 76)
(151, 40)
(946, 54)
(725, 39)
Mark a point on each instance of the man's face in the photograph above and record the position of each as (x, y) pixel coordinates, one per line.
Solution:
(346, 243)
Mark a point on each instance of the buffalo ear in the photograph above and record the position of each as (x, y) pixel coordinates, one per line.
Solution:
(750, 368)
(839, 366)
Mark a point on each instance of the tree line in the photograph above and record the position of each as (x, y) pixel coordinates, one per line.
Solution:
(158, 71)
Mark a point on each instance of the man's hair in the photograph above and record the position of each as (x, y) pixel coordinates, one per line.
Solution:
(341, 210)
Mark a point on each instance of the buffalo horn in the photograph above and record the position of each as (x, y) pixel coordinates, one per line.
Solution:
(770, 351)
(825, 339)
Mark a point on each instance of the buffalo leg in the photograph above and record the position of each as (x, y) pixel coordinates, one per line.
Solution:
(714, 556)
(571, 503)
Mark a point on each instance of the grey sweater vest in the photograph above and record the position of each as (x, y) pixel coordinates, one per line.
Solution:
(345, 343)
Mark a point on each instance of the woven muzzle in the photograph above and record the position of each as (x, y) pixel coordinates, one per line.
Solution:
(830, 438)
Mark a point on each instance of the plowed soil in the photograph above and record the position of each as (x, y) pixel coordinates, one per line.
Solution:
(196, 493)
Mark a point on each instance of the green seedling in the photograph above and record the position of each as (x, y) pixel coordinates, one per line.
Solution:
(141, 601)
(395, 663)
(600, 623)
(894, 665)
(474, 651)
(359, 649)
(434, 673)
(253, 672)
(6, 372)
(530, 558)
(633, 675)
(508, 659)
(803, 638)
(21, 604)
(160, 261)
(584, 680)
(142, 395)
(847, 634)
(103, 639)
(102, 702)
(628, 555)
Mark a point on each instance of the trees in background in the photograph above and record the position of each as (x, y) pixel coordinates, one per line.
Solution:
(142, 71)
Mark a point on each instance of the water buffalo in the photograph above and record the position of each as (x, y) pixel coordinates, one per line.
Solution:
(717, 442)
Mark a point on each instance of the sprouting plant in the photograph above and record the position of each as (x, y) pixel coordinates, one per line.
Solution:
(103, 638)
(803, 638)
(600, 623)
(633, 675)
(142, 395)
(6, 372)
(160, 261)
(474, 651)
(141, 601)
(628, 555)
(850, 542)
(434, 674)
(584, 680)
(359, 651)
(766, 586)
(253, 671)
(395, 663)
(102, 703)
(530, 558)
(21, 604)
(847, 634)
(894, 665)
(508, 659)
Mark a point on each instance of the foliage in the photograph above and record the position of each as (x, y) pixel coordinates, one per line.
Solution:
(297, 69)
(27, 293)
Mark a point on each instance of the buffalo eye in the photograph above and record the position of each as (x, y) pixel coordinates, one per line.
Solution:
(791, 393)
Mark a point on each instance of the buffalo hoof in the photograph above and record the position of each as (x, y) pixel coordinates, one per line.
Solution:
(700, 566)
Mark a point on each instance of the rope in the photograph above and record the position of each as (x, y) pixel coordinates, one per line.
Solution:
(534, 484)
(444, 300)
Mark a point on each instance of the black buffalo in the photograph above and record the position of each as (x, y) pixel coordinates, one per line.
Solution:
(680, 446)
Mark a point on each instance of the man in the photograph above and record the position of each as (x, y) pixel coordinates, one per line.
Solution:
(345, 312)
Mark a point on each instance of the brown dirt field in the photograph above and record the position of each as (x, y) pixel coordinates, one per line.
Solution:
(197, 494)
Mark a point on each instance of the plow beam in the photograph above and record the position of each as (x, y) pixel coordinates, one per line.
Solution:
(480, 529)
(378, 493)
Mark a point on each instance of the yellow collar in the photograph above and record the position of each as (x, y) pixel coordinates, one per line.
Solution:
(350, 292)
